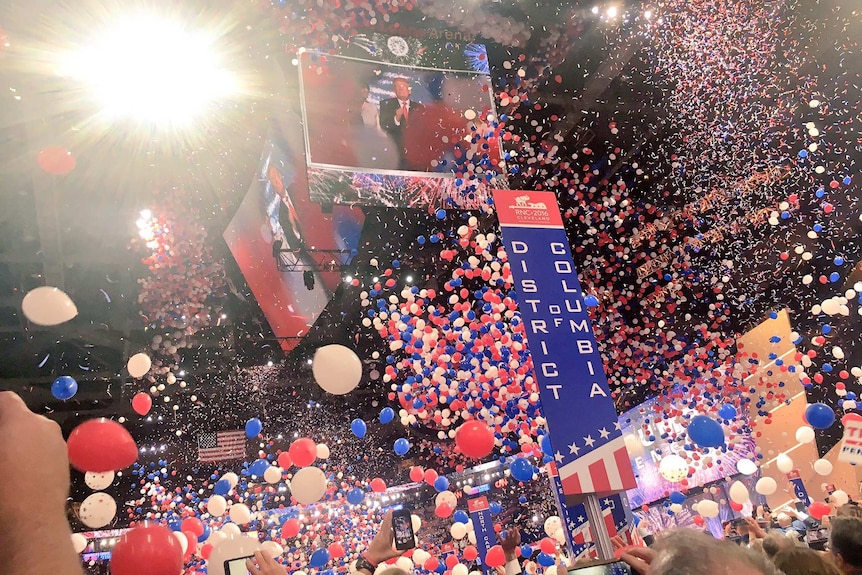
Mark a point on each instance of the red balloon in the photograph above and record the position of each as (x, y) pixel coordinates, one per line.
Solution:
(150, 549)
(336, 550)
(475, 439)
(378, 485)
(451, 560)
(818, 509)
(470, 553)
(290, 529)
(416, 474)
(191, 543)
(698, 520)
(284, 460)
(548, 545)
(431, 564)
(194, 525)
(443, 510)
(736, 506)
(56, 161)
(206, 549)
(430, 476)
(303, 452)
(101, 445)
(142, 403)
(495, 557)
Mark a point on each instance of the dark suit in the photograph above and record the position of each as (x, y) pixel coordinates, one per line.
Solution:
(388, 108)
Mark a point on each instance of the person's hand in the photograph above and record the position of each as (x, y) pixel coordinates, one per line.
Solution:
(639, 559)
(754, 528)
(509, 542)
(263, 564)
(381, 547)
(399, 114)
(33, 453)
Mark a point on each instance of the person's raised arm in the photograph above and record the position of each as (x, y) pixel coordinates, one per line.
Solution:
(509, 541)
(380, 549)
(35, 538)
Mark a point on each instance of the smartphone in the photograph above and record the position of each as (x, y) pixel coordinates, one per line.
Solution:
(800, 507)
(402, 527)
(603, 568)
(237, 566)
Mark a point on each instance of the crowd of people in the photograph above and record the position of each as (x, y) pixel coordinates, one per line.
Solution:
(33, 500)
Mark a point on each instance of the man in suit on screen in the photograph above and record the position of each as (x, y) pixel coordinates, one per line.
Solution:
(395, 116)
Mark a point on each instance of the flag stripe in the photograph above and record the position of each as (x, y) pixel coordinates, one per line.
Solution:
(599, 476)
(624, 467)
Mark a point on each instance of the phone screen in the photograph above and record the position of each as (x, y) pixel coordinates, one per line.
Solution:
(612, 568)
(237, 566)
(402, 526)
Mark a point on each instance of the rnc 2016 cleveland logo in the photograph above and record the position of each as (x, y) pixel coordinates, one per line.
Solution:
(529, 209)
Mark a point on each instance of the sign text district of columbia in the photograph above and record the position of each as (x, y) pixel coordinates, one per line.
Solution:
(574, 391)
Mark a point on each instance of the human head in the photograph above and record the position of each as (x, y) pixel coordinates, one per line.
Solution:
(784, 520)
(402, 88)
(689, 552)
(845, 544)
(849, 510)
(776, 541)
(804, 561)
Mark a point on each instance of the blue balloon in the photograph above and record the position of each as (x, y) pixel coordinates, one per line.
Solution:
(205, 535)
(521, 469)
(727, 411)
(819, 416)
(441, 484)
(402, 446)
(358, 427)
(677, 497)
(591, 300)
(222, 487)
(259, 467)
(495, 507)
(355, 496)
(526, 551)
(705, 431)
(545, 560)
(460, 516)
(319, 558)
(253, 427)
(64, 387)
(545, 444)
(175, 524)
(386, 415)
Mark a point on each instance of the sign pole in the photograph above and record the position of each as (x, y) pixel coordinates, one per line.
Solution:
(602, 538)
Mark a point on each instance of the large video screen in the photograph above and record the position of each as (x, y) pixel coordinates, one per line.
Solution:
(393, 134)
(643, 430)
(289, 250)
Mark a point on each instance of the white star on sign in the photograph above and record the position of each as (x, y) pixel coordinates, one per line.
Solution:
(604, 433)
(558, 457)
(589, 440)
(574, 449)
(617, 425)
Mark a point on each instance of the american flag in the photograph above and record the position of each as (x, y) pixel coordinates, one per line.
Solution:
(221, 446)
(603, 470)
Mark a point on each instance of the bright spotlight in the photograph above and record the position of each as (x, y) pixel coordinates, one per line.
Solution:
(409, 279)
(147, 68)
(648, 14)
(612, 11)
(594, 9)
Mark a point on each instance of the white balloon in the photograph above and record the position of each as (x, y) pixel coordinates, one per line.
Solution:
(139, 364)
(230, 529)
(232, 478)
(79, 542)
(98, 481)
(322, 451)
(272, 474)
(460, 569)
(446, 497)
(405, 564)
(707, 508)
(471, 537)
(676, 507)
(240, 513)
(784, 463)
(766, 486)
(673, 468)
(839, 498)
(560, 536)
(804, 434)
(416, 523)
(552, 523)
(48, 306)
(217, 537)
(273, 548)
(746, 467)
(458, 531)
(738, 492)
(420, 556)
(823, 467)
(97, 510)
(217, 505)
(183, 540)
(337, 369)
(232, 547)
(308, 485)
